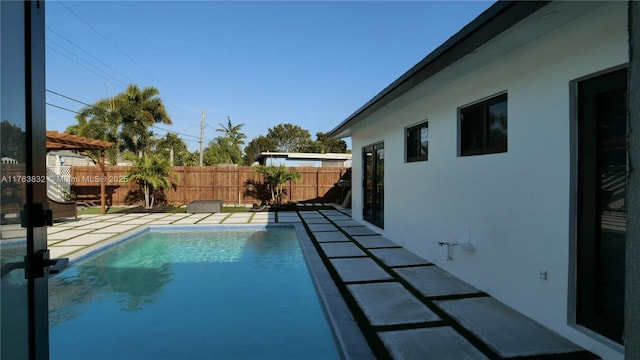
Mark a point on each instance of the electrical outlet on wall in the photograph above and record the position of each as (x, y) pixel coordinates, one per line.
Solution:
(544, 274)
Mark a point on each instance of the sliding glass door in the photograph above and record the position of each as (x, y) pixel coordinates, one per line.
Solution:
(602, 204)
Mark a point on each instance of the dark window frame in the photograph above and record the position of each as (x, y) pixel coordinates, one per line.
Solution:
(481, 109)
(411, 142)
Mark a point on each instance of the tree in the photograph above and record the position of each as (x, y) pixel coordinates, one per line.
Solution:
(214, 154)
(275, 178)
(256, 146)
(152, 172)
(124, 120)
(290, 138)
(232, 132)
(139, 110)
(181, 154)
(326, 145)
(230, 144)
(99, 121)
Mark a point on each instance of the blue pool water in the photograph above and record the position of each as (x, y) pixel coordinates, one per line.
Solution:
(230, 294)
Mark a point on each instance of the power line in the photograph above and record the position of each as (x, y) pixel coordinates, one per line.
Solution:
(95, 69)
(82, 65)
(118, 48)
(70, 98)
(155, 127)
(174, 132)
(90, 54)
(177, 111)
(63, 108)
(84, 103)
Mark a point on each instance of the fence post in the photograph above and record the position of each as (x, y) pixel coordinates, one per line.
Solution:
(238, 172)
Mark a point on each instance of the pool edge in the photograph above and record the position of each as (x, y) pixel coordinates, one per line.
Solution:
(350, 342)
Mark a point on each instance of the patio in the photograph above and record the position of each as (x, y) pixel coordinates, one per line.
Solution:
(403, 306)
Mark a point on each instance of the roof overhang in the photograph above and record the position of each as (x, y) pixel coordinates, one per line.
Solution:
(500, 17)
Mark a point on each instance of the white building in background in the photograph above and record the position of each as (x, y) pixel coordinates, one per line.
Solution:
(292, 159)
(510, 141)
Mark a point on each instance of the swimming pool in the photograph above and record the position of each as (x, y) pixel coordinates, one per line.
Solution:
(229, 294)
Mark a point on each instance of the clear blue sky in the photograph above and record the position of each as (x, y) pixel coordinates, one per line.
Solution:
(260, 63)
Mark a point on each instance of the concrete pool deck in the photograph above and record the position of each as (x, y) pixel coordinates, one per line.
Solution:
(399, 305)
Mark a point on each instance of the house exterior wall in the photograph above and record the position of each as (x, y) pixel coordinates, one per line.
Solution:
(515, 208)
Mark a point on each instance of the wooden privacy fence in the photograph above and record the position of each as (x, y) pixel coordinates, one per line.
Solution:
(227, 183)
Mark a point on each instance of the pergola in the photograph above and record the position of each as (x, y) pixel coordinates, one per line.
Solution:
(63, 141)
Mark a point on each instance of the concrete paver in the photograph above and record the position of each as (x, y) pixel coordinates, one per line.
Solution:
(213, 219)
(289, 219)
(375, 241)
(67, 234)
(389, 303)
(86, 239)
(316, 220)
(117, 228)
(138, 221)
(442, 343)
(94, 225)
(53, 230)
(311, 215)
(432, 281)
(398, 257)
(238, 218)
(322, 227)
(63, 251)
(162, 222)
(341, 217)
(326, 236)
(505, 330)
(347, 223)
(341, 249)
(359, 230)
(359, 269)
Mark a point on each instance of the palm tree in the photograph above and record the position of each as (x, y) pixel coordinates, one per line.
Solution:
(231, 142)
(276, 177)
(232, 132)
(139, 110)
(124, 119)
(99, 121)
(153, 172)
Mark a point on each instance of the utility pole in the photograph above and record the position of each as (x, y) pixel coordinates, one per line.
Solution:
(201, 137)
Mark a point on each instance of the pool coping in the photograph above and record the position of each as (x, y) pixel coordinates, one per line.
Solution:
(349, 339)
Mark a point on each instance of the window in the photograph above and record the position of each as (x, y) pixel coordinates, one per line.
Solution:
(418, 142)
(483, 127)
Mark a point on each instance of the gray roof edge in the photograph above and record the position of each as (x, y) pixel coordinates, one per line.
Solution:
(497, 18)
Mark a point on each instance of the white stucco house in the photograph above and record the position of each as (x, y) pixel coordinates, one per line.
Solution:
(509, 140)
